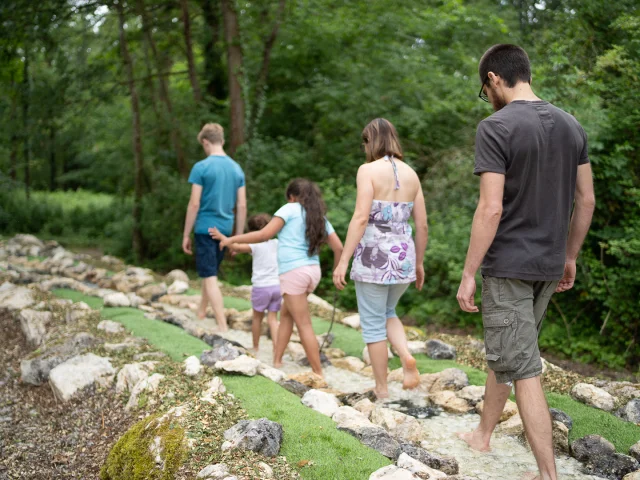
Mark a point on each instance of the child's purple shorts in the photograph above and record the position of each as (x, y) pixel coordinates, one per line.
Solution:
(266, 298)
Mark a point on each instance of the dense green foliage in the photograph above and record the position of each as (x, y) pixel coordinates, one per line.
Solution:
(331, 67)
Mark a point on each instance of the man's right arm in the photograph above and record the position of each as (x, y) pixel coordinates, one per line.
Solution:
(585, 203)
(241, 210)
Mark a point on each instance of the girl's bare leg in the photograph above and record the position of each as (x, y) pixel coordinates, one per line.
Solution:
(284, 334)
(272, 321)
(379, 362)
(255, 329)
(298, 307)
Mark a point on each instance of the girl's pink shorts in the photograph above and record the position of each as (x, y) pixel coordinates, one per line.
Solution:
(301, 280)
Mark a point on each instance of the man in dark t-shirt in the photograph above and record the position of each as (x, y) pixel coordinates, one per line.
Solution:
(534, 169)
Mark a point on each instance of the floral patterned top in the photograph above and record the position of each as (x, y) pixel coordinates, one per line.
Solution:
(386, 253)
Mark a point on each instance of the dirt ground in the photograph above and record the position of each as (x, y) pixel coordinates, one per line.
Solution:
(41, 438)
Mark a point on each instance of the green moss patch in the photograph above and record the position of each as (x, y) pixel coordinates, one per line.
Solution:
(132, 457)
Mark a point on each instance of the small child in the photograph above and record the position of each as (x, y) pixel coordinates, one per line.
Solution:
(265, 282)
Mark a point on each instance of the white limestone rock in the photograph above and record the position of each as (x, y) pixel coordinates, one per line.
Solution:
(79, 372)
(109, 326)
(418, 468)
(117, 299)
(243, 364)
(131, 374)
(594, 396)
(178, 287)
(322, 402)
(192, 366)
(34, 325)
(392, 472)
(352, 321)
(149, 384)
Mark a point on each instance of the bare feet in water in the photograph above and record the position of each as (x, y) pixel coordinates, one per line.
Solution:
(411, 374)
(474, 441)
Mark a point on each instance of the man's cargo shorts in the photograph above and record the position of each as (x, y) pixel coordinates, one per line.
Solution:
(512, 314)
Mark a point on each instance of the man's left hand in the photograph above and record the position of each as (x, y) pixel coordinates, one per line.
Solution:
(466, 294)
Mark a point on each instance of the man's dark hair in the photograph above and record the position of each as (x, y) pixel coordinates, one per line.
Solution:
(510, 62)
(259, 221)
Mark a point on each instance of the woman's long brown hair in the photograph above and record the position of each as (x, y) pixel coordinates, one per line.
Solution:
(309, 196)
(380, 138)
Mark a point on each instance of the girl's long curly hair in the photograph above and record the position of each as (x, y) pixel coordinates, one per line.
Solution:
(309, 196)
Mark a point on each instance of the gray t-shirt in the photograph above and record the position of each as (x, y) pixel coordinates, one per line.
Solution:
(538, 148)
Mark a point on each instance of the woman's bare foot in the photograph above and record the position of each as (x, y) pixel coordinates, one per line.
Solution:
(474, 441)
(201, 315)
(277, 363)
(411, 374)
(255, 350)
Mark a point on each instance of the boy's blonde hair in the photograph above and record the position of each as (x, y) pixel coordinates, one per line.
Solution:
(213, 132)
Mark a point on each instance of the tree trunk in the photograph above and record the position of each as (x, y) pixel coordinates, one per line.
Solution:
(261, 82)
(193, 76)
(234, 63)
(214, 70)
(52, 158)
(26, 93)
(176, 139)
(137, 138)
(13, 152)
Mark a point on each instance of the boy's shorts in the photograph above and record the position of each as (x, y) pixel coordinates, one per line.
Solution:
(208, 255)
(512, 314)
(266, 298)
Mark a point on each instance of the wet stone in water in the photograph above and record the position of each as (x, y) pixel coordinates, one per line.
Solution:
(352, 398)
(409, 408)
(304, 361)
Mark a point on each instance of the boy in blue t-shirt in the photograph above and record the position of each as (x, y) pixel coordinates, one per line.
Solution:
(217, 187)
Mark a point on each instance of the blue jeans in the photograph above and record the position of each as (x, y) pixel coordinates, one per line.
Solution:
(377, 303)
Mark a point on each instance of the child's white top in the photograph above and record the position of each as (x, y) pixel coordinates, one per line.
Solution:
(265, 263)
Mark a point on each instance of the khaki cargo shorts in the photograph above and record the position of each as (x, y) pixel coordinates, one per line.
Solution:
(512, 314)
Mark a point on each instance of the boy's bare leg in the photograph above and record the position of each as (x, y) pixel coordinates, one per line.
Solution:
(284, 333)
(204, 302)
(379, 363)
(398, 338)
(298, 307)
(495, 397)
(256, 325)
(272, 321)
(536, 418)
(217, 302)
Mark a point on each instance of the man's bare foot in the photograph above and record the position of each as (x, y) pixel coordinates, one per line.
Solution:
(474, 441)
(531, 476)
(411, 374)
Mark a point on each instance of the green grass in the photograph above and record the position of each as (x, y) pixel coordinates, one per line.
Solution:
(346, 338)
(308, 435)
(588, 421)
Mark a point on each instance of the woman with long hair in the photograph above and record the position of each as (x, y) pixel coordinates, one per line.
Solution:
(385, 258)
(302, 227)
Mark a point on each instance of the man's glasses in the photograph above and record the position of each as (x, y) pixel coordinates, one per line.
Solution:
(483, 96)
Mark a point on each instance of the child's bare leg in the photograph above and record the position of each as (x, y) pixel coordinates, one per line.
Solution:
(256, 325)
(298, 307)
(272, 321)
(284, 334)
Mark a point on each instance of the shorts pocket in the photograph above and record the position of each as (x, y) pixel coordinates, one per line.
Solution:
(500, 328)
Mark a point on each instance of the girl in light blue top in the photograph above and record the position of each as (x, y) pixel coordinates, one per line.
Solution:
(302, 228)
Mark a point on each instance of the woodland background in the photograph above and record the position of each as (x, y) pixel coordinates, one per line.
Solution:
(101, 101)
